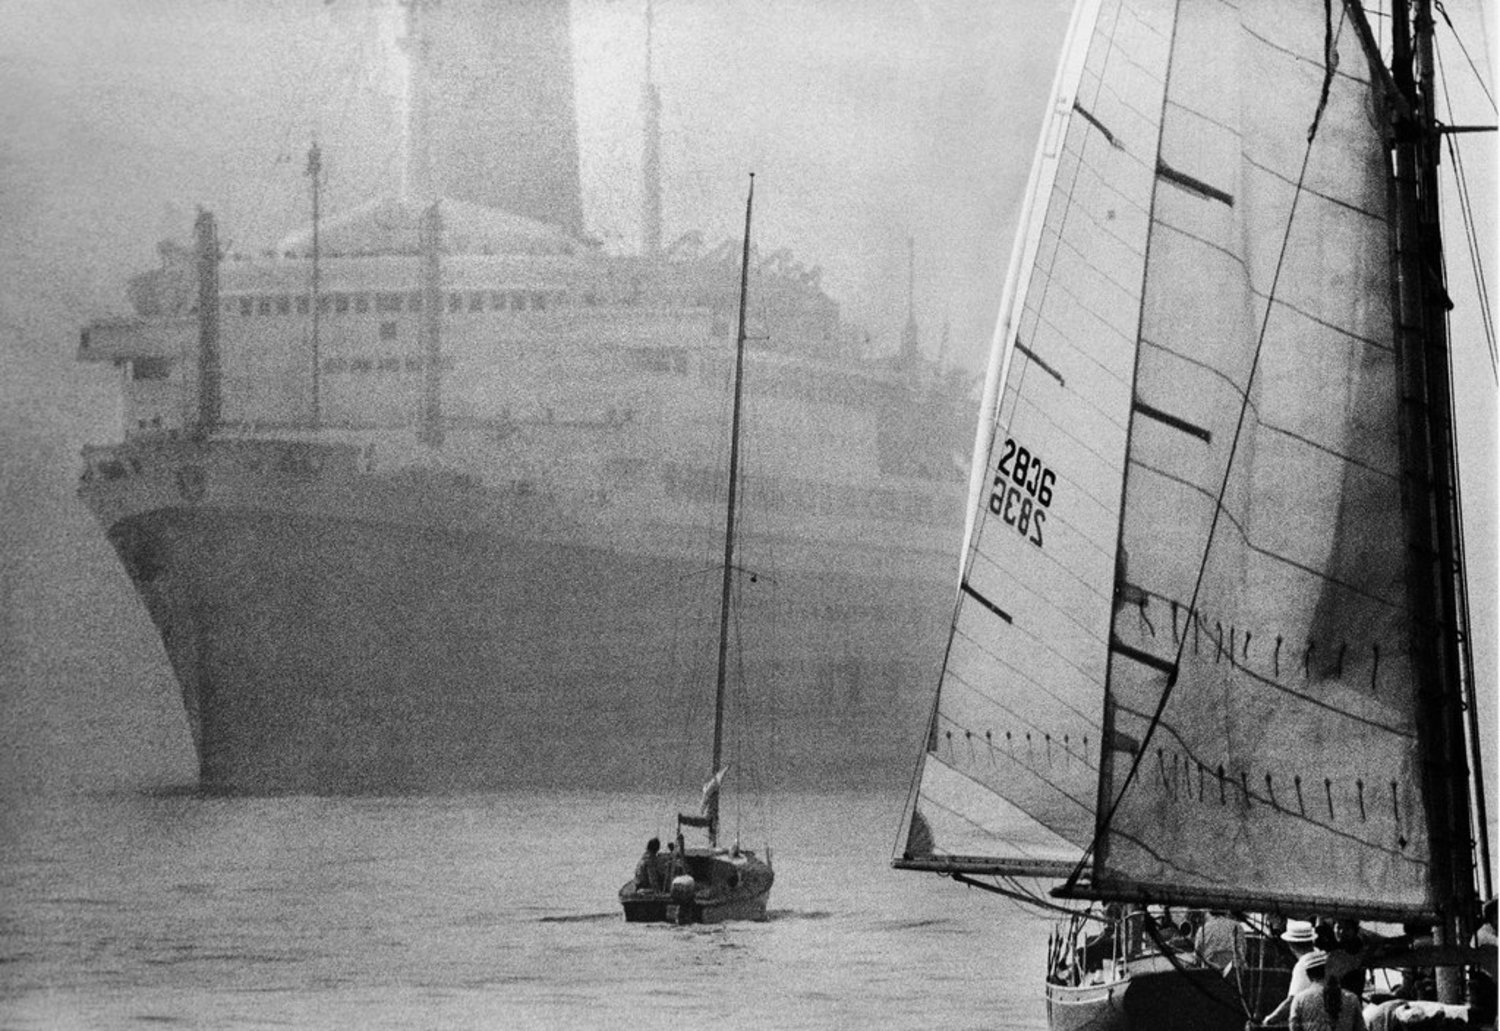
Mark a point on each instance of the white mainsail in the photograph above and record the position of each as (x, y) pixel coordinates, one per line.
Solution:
(1264, 619)
(1009, 778)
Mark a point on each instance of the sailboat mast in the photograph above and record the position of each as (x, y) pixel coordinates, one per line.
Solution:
(1436, 581)
(734, 473)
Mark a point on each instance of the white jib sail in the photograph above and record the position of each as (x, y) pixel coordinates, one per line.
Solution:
(1008, 780)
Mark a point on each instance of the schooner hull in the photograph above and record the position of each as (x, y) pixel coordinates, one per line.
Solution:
(1095, 1007)
(337, 648)
(1159, 996)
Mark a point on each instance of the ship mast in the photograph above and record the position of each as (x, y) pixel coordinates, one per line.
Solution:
(651, 154)
(417, 187)
(909, 333)
(734, 471)
(416, 172)
(315, 171)
(1435, 577)
(210, 387)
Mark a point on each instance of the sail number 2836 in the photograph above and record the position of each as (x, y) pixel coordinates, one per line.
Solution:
(1022, 491)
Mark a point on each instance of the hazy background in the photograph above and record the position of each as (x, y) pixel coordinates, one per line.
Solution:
(868, 122)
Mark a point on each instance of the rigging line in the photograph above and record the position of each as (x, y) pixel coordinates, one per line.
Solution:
(1156, 718)
(1460, 41)
(1471, 238)
(1020, 896)
(1194, 983)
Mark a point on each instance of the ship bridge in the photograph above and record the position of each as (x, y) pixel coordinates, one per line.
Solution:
(390, 225)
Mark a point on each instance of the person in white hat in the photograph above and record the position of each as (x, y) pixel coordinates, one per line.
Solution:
(1300, 937)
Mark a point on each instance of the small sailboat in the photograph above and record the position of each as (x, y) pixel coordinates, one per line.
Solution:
(1209, 659)
(709, 884)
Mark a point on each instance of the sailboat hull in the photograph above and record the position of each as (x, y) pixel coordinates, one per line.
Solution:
(724, 886)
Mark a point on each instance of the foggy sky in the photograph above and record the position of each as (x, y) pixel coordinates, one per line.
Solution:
(866, 122)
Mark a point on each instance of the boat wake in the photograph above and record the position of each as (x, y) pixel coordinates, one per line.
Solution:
(578, 918)
(798, 914)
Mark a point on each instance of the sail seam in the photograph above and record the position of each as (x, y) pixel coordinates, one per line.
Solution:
(1030, 680)
(1251, 796)
(1062, 333)
(1075, 144)
(1273, 427)
(1260, 549)
(1340, 330)
(1341, 456)
(975, 780)
(1103, 275)
(1261, 166)
(982, 696)
(1080, 581)
(1316, 62)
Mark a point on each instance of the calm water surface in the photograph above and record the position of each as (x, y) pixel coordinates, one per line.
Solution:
(483, 911)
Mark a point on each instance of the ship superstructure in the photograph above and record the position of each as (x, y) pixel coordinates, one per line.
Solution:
(412, 500)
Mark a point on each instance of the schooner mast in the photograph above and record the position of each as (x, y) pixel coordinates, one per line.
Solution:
(1436, 576)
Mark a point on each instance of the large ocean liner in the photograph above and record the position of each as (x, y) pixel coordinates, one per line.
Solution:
(423, 500)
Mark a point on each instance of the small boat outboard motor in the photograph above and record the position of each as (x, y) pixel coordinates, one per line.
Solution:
(683, 891)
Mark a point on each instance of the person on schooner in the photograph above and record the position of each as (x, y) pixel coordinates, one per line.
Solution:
(1302, 940)
(1220, 942)
(1325, 1005)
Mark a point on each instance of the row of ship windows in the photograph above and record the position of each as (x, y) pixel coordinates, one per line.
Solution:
(791, 494)
(362, 303)
(388, 363)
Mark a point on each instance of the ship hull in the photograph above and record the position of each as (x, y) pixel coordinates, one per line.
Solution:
(334, 648)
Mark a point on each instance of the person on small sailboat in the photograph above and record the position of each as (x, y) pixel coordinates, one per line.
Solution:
(648, 872)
